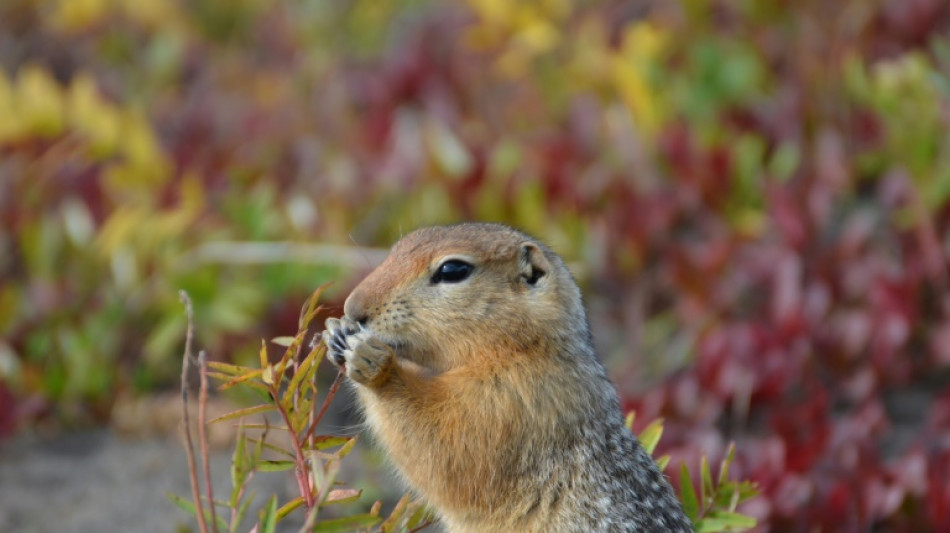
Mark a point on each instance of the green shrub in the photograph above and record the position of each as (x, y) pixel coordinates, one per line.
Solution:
(288, 388)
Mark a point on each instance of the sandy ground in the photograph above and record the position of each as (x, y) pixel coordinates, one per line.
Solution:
(103, 480)
(96, 482)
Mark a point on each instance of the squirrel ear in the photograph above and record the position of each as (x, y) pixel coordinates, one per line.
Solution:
(532, 263)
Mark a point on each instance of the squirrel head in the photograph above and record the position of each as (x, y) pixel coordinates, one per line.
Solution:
(446, 294)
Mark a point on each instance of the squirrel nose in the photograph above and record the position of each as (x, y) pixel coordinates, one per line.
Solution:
(354, 308)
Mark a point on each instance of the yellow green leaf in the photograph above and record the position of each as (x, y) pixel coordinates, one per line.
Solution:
(347, 524)
(706, 488)
(241, 379)
(189, 507)
(346, 448)
(289, 507)
(263, 408)
(229, 369)
(283, 341)
(725, 521)
(263, 355)
(40, 101)
(307, 366)
(650, 435)
(268, 516)
(274, 466)
(322, 442)
(688, 494)
(389, 525)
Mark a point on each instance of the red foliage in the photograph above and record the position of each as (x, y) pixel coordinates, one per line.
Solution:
(814, 303)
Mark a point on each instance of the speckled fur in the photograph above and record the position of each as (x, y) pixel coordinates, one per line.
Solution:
(487, 395)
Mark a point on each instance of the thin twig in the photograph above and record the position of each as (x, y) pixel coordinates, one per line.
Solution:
(309, 436)
(300, 461)
(311, 519)
(203, 436)
(326, 403)
(422, 526)
(190, 447)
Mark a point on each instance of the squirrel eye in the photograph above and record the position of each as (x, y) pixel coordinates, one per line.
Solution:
(452, 271)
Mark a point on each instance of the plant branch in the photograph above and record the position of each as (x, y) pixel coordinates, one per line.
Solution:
(300, 461)
(189, 445)
(422, 526)
(203, 436)
(326, 403)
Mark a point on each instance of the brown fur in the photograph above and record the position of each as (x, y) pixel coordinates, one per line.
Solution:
(485, 393)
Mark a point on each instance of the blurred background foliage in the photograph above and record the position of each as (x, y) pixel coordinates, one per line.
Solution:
(754, 196)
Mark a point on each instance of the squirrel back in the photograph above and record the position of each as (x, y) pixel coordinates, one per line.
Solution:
(475, 368)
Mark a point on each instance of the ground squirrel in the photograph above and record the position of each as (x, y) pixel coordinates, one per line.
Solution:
(473, 361)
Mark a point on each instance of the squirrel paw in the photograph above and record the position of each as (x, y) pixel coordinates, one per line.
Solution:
(364, 357)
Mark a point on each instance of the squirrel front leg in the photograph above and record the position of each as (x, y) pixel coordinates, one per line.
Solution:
(373, 364)
(365, 358)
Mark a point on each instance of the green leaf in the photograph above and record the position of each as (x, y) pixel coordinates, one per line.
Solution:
(287, 358)
(262, 354)
(730, 495)
(304, 371)
(706, 488)
(710, 525)
(189, 507)
(421, 515)
(748, 489)
(229, 369)
(272, 447)
(650, 435)
(311, 307)
(724, 467)
(268, 516)
(347, 524)
(274, 466)
(263, 408)
(229, 383)
(322, 442)
(725, 521)
(307, 366)
(688, 494)
(182, 503)
(389, 525)
(242, 510)
(239, 468)
(241, 379)
(299, 418)
(289, 507)
(734, 520)
(346, 448)
(266, 425)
